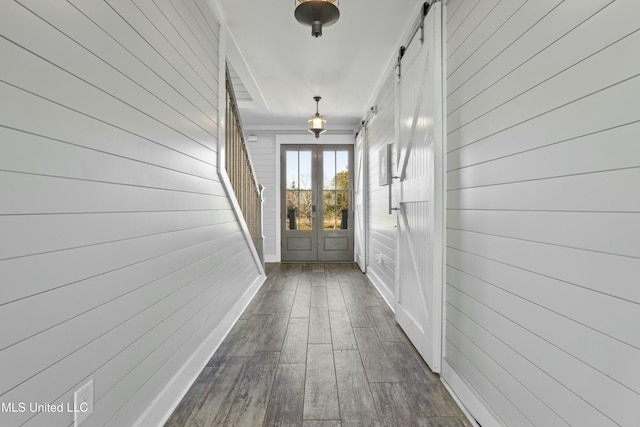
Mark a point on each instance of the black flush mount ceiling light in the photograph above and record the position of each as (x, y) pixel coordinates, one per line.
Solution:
(317, 123)
(317, 13)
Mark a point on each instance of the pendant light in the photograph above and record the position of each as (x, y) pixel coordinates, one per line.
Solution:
(317, 13)
(317, 123)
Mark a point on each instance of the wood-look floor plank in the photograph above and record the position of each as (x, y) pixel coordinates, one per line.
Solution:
(250, 403)
(391, 404)
(275, 301)
(376, 363)
(294, 349)
(369, 296)
(286, 402)
(230, 344)
(217, 403)
(319, 326)
(267, 303)
(248, 341)
(408, 365)
(331, 279)
(255, 302)
(318, 268)
(385, 323)
(290, 282)
(318, 278)
(192, 399)
(335, 300)
(349, 291)
(442, 422)
(341, 331)
(321, 423)
(320, 392)
(424, 390)
(305, 279)
(275, 282)
(274, 332)
(318, 296)
(301, 303)
(358, 314)
(285, 302)
(356, 402)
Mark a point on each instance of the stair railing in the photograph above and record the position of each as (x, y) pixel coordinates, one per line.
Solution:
(240, 171)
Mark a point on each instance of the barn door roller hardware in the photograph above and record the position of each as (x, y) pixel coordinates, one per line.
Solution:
(418, 25)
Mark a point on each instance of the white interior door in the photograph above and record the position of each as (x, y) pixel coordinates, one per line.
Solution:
(419, 202)
(359, 203)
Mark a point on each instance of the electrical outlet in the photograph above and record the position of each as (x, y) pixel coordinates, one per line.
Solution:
(83, 403)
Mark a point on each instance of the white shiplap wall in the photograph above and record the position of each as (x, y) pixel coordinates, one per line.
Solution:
(542, 298)
(381, 238)
(114, 226)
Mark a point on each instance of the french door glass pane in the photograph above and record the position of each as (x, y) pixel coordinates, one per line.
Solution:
(299, 172)
(292, 210)
(336, 190)
(329, 170)
(329, 220)
(292, 170)
(305, 170)
(304, 210)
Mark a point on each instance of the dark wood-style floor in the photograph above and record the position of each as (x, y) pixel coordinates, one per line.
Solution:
(317, 346)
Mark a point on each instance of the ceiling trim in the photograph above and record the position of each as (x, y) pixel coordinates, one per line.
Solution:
(234, 55)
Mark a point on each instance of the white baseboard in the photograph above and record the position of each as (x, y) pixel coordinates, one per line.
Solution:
(476, 411)
(161, 408)
(271, 258)
(387, 295)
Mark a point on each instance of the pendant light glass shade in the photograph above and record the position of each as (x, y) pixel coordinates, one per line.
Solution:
(317, 123)
(317, 13)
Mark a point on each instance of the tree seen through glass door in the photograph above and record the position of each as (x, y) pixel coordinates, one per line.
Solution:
(298, 191)
(335, 190)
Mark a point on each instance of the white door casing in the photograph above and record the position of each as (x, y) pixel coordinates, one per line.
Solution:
(418, 191)
(316, 203)
(359, 202)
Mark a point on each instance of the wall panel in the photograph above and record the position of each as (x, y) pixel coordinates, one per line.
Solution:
(263, 155)
(542, 213)
(116, 229)
(381, 237)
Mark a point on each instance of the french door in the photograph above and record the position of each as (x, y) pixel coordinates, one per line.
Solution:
(316, 191)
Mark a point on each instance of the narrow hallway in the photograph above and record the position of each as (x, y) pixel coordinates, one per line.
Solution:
(317, 346)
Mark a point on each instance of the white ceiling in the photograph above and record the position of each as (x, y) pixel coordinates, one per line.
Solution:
(283, 66)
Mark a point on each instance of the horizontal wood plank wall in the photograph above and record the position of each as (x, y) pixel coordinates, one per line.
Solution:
(543, 218)
(119, 251)
(381, 231)
(263, 155)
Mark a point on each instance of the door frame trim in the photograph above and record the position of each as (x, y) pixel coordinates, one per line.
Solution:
(298, 139)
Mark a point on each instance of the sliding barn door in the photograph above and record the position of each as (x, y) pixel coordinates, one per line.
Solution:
(419, 224)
